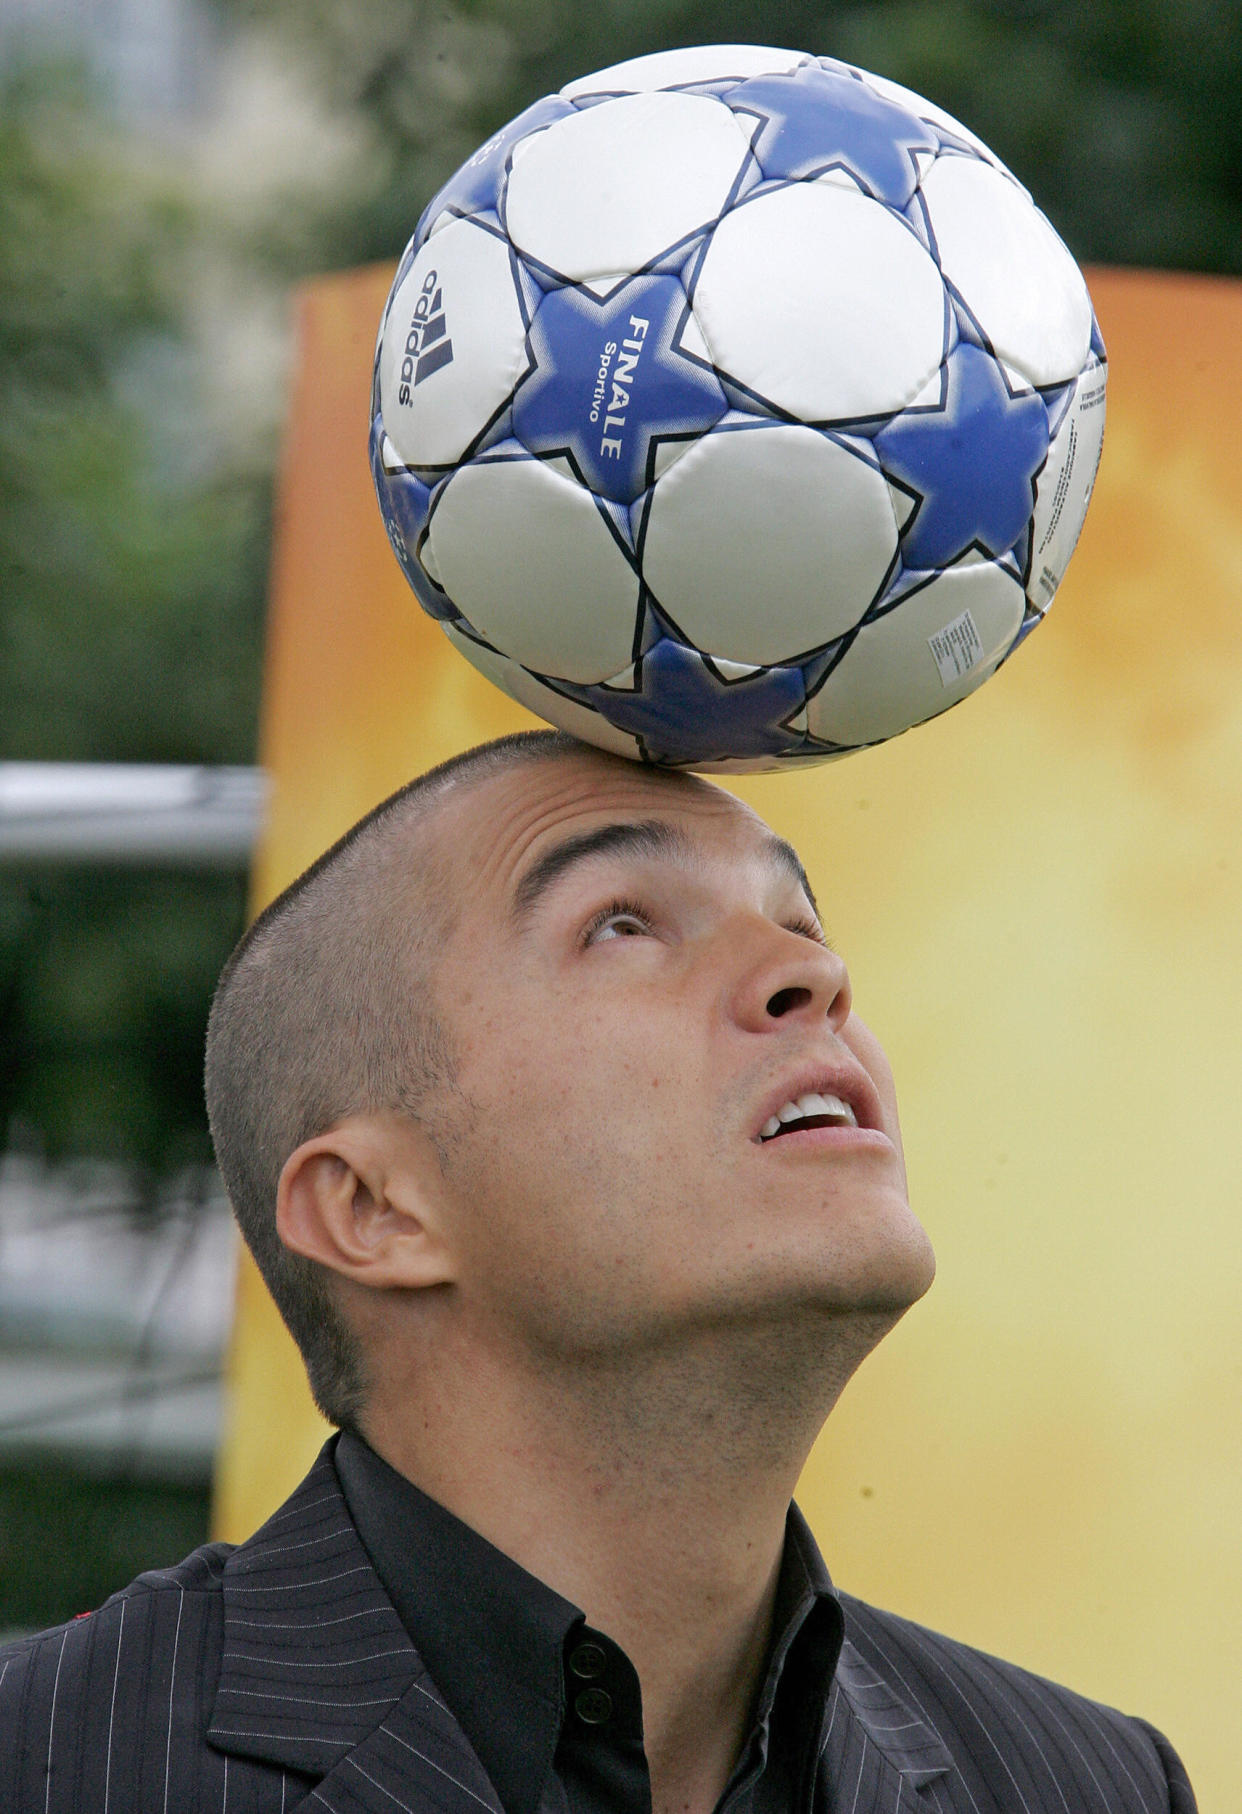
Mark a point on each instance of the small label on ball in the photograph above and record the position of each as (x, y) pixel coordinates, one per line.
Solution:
(956, 649)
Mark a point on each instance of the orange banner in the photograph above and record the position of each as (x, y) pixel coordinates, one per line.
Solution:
(1040, 896)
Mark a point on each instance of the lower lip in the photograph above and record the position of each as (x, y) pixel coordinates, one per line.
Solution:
(820, 1139)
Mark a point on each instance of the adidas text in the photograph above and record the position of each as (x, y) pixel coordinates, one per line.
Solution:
(427, 346)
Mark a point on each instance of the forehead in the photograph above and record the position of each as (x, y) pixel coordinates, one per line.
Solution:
(492, 832)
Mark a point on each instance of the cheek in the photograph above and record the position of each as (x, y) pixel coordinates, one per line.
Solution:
(863, 1043)
(591, 1070)
(555, 1220)
(566, 1148)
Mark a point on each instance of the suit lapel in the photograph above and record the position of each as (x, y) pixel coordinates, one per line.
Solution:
(877, 1748)
(416, 1759)
(319, 1675)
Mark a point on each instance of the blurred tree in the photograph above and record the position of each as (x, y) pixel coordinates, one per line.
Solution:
(131, 581)
(1121, 116)
(91, 1536)
(105, 980)
(132, 577)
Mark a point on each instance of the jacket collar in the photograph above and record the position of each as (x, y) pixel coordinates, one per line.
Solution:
(865, 1711)
(318, 1675)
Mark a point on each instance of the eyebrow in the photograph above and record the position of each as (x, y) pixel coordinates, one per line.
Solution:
(635, 838)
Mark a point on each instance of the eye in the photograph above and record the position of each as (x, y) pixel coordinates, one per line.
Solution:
(807, 929)
(620, 919)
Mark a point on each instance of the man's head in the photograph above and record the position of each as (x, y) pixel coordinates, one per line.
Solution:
(513, 1047)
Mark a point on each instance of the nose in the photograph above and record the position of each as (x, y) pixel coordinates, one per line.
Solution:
(786, 977)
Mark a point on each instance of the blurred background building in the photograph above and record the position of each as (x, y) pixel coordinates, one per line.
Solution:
(152, 59)
(169, 169)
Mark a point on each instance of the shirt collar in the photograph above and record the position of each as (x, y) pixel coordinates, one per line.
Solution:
(808, 1627)
(491, 1635)
(499, 1643)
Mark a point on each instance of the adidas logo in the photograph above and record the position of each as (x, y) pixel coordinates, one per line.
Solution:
(427, 346)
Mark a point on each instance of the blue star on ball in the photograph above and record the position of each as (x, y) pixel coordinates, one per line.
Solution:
(685, 712)
(608, 383)
(971, 462)
(815, 121)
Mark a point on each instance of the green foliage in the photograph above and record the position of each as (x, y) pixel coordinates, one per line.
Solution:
(1121, 116)
(131, 591)
(91, 1536)
(105, 980)
(130, 628)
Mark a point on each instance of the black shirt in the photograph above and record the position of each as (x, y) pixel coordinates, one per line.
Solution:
(551, 1706)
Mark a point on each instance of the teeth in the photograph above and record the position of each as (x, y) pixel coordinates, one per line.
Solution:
(805, 1106)
(833, 1105)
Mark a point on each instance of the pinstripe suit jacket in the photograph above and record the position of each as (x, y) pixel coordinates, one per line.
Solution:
(277, 1676)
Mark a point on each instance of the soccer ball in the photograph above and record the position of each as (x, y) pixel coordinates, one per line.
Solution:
(734, 408)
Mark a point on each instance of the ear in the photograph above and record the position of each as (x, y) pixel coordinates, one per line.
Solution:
(360, 1200)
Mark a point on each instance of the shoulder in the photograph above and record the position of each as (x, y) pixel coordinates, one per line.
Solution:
(124, 1647)
(1016, 1734)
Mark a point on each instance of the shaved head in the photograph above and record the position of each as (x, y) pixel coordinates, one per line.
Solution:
(325, 1010)
(557, 997)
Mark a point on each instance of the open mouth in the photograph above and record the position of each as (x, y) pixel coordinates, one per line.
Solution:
(804, 1112)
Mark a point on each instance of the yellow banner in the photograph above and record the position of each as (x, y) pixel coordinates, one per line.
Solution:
(1040, 897)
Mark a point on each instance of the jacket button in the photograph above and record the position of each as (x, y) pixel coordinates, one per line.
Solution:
(588, 1661)
(593, 1706)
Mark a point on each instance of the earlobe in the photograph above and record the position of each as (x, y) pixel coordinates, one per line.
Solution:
(352, 1200)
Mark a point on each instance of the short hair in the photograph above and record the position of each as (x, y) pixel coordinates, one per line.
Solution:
(325, 1009)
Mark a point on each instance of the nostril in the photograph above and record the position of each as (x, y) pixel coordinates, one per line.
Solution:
(785, 1000)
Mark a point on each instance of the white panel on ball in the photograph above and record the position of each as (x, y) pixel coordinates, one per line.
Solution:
(819, 299)
(680, 68)
(1063, 489)
(764, 542)
(1015, 275)
(566, 714)
(544, 579)
(921, 657)
(454, 345)
(593, 194)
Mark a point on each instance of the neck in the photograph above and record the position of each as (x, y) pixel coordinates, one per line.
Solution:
(651, 1490)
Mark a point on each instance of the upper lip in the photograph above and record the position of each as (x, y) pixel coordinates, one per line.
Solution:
(843, 1077)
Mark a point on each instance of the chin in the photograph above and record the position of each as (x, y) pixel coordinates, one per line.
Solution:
(882, 1275)
(875, 1286)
